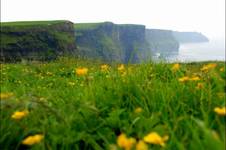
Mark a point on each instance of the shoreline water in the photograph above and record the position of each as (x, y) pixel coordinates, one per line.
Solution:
(214, 50)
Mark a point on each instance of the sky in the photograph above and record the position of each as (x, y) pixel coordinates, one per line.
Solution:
(205, 16)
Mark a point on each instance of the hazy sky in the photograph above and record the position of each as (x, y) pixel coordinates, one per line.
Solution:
(206, 16)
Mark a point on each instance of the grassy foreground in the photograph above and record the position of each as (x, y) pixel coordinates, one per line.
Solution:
(73, 104)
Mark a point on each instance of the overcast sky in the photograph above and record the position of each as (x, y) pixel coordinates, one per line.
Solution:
(206, 16)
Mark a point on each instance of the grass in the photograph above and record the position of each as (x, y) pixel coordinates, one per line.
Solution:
(90, 111)
(87, 26)
(30, 23)
(91, 26)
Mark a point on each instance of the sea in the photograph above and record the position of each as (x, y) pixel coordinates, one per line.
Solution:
(214, 50)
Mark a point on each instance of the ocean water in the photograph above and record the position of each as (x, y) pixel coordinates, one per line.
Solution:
(194, 52)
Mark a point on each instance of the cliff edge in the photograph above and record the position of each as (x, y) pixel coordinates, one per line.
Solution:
(39, 40)
(190, 37)
(161, 41)
(111, 42)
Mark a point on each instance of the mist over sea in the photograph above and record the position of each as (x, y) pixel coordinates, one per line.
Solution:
(206, 51)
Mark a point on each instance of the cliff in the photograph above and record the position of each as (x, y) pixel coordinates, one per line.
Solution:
(36, 40)
(161, 41)
(189, 37)
(111, 42)
(45, 40)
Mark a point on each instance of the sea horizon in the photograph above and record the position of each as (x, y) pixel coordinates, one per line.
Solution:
(214, 50)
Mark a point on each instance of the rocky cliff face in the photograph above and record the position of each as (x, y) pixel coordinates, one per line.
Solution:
(132, 39)
(46, 40)
(125, 43)
(161, 41)
(111, 42)
(36, 40)
(189, 37)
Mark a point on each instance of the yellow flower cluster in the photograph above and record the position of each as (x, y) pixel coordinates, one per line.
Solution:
(175, 67)
(141, 145)
(19, 114)
(152, 138)
(124, 142)
(81, 71)
(195, 78)
(207, 67)
(222, 69)
(31, 140)
(186, 78)
(121, 68)
(155, 138)
(5, 95)
(200, 86)
(104, 68)
(220, 111)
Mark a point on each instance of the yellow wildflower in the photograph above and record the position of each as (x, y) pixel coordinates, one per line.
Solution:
(154, 138)
(220, 111)
(204, 68)
(222, 69)
(176, 67)
(121, 68)
(141, 145)
(207, 67)
(196, 78)
(104, 68)
(81, 71)
(19, 114)
(5, 95)
(138, 110)
(31, 140)
(124, 142)
(199, 86)
(184, 79)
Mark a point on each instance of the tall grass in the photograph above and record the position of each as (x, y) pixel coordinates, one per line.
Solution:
(90, 111)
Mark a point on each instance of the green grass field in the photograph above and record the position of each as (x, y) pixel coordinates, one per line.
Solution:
(87, 26)
(95, 107)
(30, 23)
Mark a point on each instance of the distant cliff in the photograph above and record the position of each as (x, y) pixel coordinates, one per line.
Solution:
(36, 40)
(161, 41)
(126, 43)
(111, 42)
(45, 40)
(189, 37)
